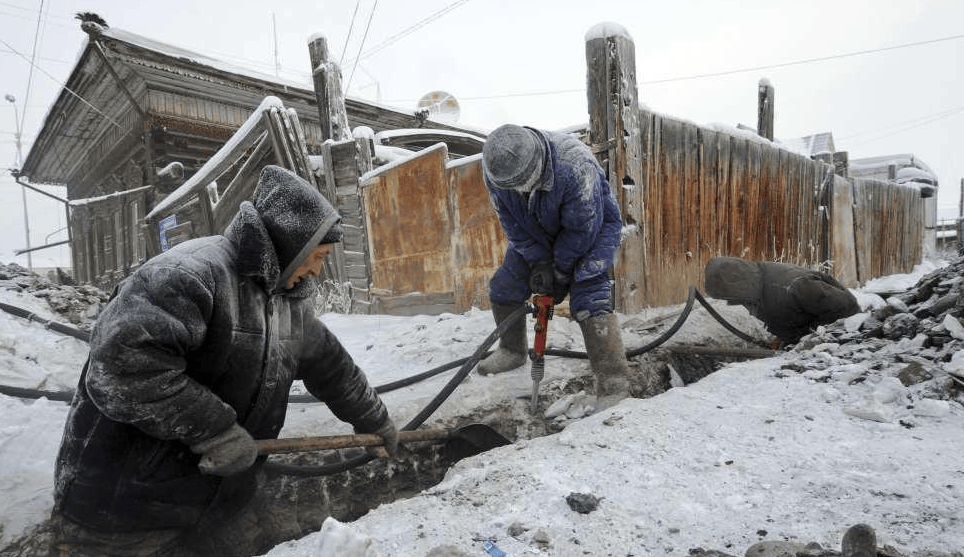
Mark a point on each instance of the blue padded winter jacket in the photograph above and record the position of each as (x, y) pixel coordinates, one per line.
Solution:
(570, 217)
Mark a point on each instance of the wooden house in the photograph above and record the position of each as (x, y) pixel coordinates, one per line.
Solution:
(138, 117)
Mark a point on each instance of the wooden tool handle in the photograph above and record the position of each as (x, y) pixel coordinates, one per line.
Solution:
(308, 444)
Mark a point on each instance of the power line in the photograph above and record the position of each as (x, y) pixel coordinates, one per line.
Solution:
(912, 126)
(18, 16)
(26, 9)
(410, 30)
(33, 58)
(717, 74)
(925, 119)
(806, 61)
(40, 57)
(351, 26)
(62, 84)
(365, 36)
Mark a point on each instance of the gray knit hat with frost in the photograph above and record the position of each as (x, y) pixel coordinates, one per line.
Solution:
(513, 158)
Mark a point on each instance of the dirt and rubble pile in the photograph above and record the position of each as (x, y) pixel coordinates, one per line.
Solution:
(77, 304)
(914, 337)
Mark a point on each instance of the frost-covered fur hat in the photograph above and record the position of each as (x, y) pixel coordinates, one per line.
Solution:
(733, 279)
(513, 157)
(296, 216)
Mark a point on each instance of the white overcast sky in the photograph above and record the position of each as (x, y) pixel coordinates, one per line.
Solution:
(524, 61)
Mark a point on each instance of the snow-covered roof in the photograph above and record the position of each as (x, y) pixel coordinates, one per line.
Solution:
(191, 56)
(811, 144)
(194, 183)
(899, 160)
(914, 174)
(119, 194)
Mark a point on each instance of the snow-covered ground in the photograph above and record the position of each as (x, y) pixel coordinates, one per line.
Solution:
(755, 451)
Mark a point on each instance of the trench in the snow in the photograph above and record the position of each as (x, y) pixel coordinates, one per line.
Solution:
(346, 496)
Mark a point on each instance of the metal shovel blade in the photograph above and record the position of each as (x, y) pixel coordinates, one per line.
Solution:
(460, 443)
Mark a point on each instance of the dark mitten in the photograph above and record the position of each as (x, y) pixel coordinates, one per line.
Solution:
(230, 452)
(560, 286)
(540, 277)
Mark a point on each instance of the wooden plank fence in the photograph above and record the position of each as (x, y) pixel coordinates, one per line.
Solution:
(709, 193)
(688, 193)
(888, 227)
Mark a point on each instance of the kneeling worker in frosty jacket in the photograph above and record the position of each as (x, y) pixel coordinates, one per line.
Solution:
(563, 227)
(190, 361)
(790, 300)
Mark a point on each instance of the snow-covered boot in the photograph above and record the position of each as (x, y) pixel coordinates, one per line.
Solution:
(511, 352)
(607, 357)
(859, 541)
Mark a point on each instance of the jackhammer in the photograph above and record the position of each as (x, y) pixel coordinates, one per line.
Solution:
(542, 310)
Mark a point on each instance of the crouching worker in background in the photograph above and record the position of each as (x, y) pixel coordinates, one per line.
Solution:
(563, 227)
(791, 301)
(190, 362)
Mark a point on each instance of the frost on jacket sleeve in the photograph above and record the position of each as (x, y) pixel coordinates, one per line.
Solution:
(330, 375)
(516, 223)
(138, 357)
(581, 217)
(823, 298)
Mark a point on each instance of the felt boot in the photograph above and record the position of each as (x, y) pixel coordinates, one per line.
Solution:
(511, 352)
(607, 357)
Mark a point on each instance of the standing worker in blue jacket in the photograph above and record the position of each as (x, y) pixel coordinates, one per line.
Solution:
(563, 228)
(190, 362)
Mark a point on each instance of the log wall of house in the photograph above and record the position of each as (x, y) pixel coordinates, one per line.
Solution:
(108, 234)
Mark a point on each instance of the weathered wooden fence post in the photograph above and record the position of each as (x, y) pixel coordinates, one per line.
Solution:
(841, 163)
(333, 118)
(764, 109)
(326, 78)
(615, 136)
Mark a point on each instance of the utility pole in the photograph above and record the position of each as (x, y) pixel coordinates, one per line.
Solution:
(17, 163)
(277, 63)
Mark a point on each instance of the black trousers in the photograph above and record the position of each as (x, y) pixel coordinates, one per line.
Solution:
(252, 531)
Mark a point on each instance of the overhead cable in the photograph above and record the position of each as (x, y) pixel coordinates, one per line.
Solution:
(721, 73)
(912, 126)
(62, 84)
(409, 30)
(33, 58)
(351, 26)
(364, 37)
(806, 61)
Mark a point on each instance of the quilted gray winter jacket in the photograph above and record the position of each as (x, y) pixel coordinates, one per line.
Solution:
(197, 338)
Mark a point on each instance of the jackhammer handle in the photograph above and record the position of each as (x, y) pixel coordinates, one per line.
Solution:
(308, 444)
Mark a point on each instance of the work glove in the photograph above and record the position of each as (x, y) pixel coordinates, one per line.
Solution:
(540, 277)
(389, 433)
(560, 286)
(230, 452)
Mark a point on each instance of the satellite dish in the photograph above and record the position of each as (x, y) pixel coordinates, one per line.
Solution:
(441, 106)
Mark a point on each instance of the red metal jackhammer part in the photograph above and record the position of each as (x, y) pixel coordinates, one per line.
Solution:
(542, 311)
